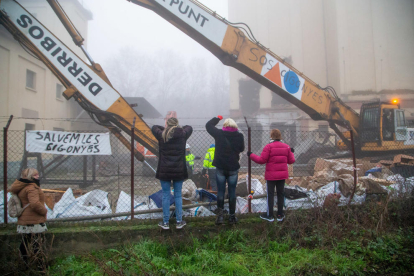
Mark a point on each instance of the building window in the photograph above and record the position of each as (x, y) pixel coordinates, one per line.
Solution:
(59, 91)
(29, 127)
(30, 79)
(58, 129)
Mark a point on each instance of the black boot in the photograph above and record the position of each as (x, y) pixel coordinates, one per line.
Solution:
(220, 218)
(233, 219)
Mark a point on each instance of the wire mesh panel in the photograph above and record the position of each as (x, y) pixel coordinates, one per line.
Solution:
(79, 186)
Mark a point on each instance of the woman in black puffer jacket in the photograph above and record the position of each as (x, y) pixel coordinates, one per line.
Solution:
(229, 144)
(172, 166)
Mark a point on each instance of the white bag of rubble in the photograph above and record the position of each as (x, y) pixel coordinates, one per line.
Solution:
(124, 205)
(402, 186)
(242, 205)
(189, 190)
(397, 178)
(68, 206)
(199, 211)
(158, 215)
(259, 205)
(324, 191)
(96, 198)
(300, 203)
(256, 185)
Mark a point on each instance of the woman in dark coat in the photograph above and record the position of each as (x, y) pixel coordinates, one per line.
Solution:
(229, 144)
(172, 166)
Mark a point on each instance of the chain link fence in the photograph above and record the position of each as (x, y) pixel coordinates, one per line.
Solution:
(99, 187)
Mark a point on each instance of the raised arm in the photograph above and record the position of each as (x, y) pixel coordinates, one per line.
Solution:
(157, 131)
(188, 131)
(211, 127)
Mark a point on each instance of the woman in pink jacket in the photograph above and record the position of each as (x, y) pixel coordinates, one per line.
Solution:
(276, 155)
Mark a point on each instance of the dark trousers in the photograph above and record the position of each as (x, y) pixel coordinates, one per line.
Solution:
(280, 190)
(231, 178)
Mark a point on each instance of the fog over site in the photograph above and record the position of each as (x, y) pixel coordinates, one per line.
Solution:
(145, 56)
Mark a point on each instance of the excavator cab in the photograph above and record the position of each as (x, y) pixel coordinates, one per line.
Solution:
(382, 126)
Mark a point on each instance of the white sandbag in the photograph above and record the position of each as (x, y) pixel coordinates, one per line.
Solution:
(189, 190)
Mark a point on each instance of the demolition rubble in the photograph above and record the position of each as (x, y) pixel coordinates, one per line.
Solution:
(331, 183)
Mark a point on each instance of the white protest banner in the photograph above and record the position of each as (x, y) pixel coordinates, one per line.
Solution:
(68, 143)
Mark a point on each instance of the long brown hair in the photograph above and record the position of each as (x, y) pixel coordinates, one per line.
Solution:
(172, 124)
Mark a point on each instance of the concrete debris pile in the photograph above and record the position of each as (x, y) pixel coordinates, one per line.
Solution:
(336, 177)
(331, 184)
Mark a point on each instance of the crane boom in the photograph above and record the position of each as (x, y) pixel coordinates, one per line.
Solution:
(236, 47)
(87, 84)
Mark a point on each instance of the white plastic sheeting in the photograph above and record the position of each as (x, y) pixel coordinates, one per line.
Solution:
(258, 205)
(144, 203)
(92, 203)
(401, 185)
(199, 211)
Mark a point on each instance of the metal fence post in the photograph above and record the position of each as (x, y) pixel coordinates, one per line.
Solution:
(5, 129)
(132, 169)
(355, 168)
(249, 165)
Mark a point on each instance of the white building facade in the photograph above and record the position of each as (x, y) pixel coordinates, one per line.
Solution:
(28, 89)
(362, 48)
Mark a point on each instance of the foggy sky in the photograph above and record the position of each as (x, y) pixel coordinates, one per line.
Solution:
(121, 26)
(118, 23)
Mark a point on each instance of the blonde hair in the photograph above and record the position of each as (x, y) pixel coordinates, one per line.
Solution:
(230, 123)
(29, 173)
(168, 132)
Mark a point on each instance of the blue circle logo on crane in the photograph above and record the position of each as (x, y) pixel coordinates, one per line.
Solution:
(291, 82)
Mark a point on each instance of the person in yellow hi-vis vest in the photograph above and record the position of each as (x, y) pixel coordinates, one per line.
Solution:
(209, 168)
(189, 160)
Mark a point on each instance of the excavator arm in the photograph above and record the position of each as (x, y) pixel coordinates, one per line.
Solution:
(235, 46)
(87, 84)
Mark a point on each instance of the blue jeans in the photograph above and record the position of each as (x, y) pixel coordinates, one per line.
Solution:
(231, 177)
(166, 192)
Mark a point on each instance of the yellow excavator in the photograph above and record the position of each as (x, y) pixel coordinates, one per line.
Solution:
(86, 83)
(379, 127)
